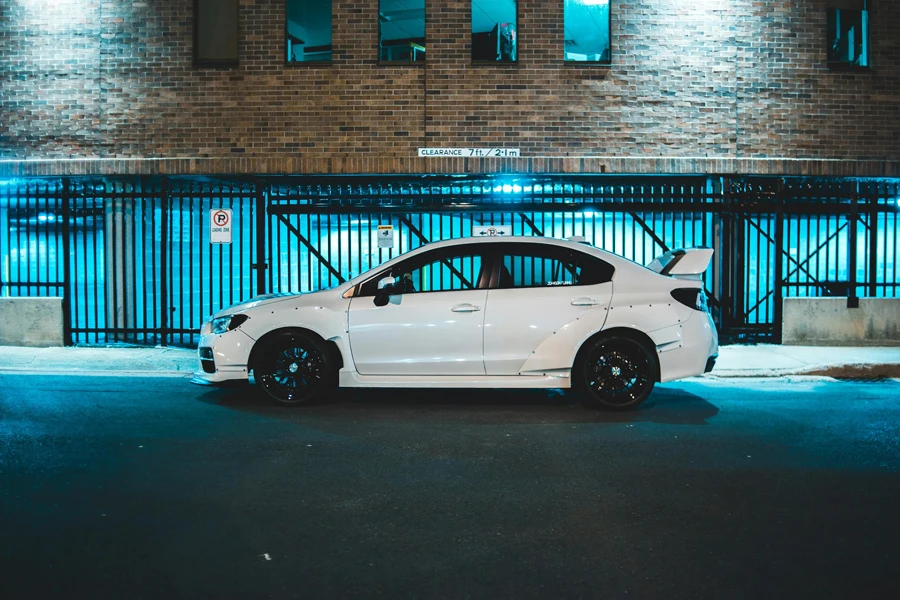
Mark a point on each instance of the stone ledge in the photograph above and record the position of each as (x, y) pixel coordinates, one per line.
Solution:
(828, 322)
(34, 322)
(393, 165)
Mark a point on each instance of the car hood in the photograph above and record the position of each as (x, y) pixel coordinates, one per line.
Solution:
(266, 300)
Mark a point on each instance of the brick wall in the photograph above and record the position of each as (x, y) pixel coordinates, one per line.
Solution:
(738, 80)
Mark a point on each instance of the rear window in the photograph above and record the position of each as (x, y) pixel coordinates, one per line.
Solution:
(539, 265)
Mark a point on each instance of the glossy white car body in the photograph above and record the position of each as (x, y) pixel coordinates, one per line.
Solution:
(486, 337)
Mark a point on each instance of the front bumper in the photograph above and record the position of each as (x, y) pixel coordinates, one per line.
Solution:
(223, 358)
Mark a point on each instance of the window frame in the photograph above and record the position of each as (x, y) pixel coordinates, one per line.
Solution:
(839, 65)
(220, 63)
(494, 63)
(590, 63)
(401, 63)
(502, 249)
(302, 63)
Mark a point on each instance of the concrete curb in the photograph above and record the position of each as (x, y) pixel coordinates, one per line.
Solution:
(848, 371)
(94, 372)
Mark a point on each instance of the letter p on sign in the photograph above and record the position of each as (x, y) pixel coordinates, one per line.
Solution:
(220, 226)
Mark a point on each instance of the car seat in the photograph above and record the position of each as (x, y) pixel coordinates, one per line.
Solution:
(505, 280)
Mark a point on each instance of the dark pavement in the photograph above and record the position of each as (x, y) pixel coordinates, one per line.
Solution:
(112, 487)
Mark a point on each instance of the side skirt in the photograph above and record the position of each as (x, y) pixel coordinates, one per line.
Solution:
(548, 380)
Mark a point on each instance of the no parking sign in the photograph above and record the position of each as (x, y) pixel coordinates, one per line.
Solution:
(220, 226)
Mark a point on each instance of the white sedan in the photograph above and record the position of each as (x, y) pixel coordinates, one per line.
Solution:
(504, 312)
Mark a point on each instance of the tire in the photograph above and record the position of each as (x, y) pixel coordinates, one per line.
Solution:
(615, 373)
(294, 368)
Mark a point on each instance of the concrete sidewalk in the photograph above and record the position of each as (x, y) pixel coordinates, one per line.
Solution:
(764, 360)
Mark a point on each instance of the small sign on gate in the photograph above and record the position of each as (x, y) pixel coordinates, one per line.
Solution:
(385, 236)
(489, 230)
(220, 226)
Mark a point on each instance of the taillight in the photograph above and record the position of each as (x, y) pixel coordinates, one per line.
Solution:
(692, 298)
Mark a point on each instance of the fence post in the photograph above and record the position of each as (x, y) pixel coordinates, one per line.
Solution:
(67, 262)
(872, 209)
(852, 299)
(261, 237)
(777, 290)
(737, 265)
(718, 244)
(164, 307)
(725, 273)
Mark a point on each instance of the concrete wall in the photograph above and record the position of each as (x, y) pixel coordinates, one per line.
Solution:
(741, 80)
(36, 322)
(828, 322)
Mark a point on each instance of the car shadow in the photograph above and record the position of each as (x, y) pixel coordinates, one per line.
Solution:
(670, 406)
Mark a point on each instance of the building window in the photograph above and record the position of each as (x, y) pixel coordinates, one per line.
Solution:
(216, 32)
(848, 33)
(494, 35)
(401, 30)
(308, 31)
(587, 31)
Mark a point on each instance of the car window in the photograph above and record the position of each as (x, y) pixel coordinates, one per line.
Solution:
(441, 275)
(531, 265)
(442, 270)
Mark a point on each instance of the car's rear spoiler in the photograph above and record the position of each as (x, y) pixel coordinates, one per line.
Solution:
(688, 263)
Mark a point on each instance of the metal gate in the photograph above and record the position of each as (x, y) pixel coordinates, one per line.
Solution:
(803, 238)
(131, 257)
(133, 260)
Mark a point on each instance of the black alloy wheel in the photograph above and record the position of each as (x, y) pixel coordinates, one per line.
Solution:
(294, 368)
(616, 373)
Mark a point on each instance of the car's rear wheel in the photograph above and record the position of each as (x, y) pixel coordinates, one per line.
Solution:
(294, 368)
(615, 373)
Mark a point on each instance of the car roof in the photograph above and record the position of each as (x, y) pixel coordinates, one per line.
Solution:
(505, 239)
(522, 239)
(614, 259)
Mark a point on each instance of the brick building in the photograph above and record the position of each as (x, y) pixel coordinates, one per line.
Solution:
(771, 104)
(708, 86)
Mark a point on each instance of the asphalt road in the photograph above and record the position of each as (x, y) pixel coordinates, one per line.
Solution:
(118, 488)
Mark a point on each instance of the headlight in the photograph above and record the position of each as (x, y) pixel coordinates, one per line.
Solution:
(227, 323)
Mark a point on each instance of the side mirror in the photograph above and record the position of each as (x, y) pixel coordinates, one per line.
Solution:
(386, 287)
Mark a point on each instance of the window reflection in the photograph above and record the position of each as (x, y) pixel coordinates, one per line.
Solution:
(401, 30)
(494, 34)
(587, 31)
(308, 34)
(848, 33)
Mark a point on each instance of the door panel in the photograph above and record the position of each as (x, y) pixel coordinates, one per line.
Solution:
(541, 288)
(438, 333)
(433, 323)
(518, 320)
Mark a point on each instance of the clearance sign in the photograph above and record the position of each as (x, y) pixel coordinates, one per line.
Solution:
(470, 152)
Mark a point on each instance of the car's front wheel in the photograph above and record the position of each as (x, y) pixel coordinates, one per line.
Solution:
(294, 368)
(615, 373)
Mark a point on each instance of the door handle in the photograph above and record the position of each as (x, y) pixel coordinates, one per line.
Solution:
(465, 308)
(584, 301)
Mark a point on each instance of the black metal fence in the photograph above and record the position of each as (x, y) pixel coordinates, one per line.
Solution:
(133, 259)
